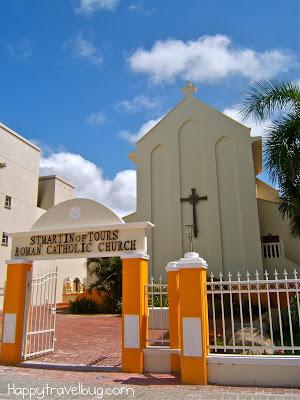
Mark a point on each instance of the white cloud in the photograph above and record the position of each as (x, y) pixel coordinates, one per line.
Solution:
(88, 179)
(137, 104)
(132, 138)
(83, 49)
(21, 51)
(95, 119)
(91, 6)
(208, 59)
(141, 9)
(257, 129)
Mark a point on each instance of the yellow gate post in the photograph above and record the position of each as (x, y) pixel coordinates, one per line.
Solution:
(134, 311)
(194, 319)
(13, 311)
(174, 313)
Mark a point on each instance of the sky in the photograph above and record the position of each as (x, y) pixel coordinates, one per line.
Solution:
(85, 79)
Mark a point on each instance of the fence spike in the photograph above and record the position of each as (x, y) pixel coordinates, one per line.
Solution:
(248, 275)
(257, 275)
(212, 277)
(151, 280)
(285, 274)
(160, 280)
(238, 276)
(229, 276)
(266, 275)
(276, 275)
(220, 276)
(295, 273)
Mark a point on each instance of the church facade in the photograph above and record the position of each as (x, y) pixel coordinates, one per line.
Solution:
(198, 167)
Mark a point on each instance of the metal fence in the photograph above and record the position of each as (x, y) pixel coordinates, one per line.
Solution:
(158, 313)
(254, 316)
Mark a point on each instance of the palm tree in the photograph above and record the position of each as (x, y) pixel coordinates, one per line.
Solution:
(107, 272)
(280, 101)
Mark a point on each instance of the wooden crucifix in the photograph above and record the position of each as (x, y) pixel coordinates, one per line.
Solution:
(194, 199)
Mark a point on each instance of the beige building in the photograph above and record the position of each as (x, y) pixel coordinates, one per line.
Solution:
(24, 197)
(196, 154)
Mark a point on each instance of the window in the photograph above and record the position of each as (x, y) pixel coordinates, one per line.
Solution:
(4, 241)
(7, 203)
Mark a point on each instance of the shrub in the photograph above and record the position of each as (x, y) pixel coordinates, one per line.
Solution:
(84, 306)
(293, 312)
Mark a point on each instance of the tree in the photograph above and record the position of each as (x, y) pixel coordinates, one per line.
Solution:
(281, 102)
(107, 272)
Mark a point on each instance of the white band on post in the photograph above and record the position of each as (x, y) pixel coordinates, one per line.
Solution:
(135, 254)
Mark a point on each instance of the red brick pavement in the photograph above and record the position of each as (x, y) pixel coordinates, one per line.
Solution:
(87, 340)
(96, 340)
(149, 380)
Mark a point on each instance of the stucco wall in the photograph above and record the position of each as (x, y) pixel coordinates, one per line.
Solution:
(195, 146)
(54, 190)
(270, 220)
(19, 180)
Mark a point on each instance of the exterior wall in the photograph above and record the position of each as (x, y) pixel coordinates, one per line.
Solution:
(19, 180)
(267, 371)
(270, 220)
(130, 218)
(53, 190)
(213, 154)
(266, 192)
(73, 268)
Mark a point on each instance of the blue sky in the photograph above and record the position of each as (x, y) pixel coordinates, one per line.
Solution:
(84, 79)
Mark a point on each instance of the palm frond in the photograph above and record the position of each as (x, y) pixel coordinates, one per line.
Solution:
(282, 149)
(264, 98)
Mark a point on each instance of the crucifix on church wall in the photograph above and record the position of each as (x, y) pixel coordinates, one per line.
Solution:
(193, 199)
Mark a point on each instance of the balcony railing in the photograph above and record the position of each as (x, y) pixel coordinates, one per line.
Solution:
(272, 250)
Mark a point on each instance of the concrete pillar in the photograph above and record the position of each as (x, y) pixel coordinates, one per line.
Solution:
(134, 311)
(194, 319)
(13, 311)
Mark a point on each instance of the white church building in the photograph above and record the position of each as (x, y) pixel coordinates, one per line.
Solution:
(195, 167)
(198, 167)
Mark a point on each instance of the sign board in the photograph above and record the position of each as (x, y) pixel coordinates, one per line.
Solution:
(104, 241)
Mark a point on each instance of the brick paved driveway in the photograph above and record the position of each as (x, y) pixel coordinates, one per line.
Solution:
(87, 340)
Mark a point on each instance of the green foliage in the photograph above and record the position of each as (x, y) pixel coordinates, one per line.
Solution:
(281, 152)
(119, 307)
(158, 300)
(294, 314)
(107, 273)
(84, 306)
(2, 165)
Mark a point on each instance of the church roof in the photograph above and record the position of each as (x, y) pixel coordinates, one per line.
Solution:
(189, 101)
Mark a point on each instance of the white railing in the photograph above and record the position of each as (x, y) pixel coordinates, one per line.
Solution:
(272, 250)
(156, 297)
(254, 316)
